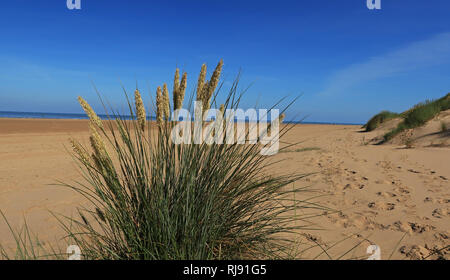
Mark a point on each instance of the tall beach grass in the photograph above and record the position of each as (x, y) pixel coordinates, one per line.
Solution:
(153, 199)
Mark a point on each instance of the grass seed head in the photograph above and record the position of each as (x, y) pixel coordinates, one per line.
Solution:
(210, 87)
(80, 151)
(166, 104)
(140, 109)
(201, 82)
(176, 81)
(97, 144)
(181, 91)
(159, 106)
(90, 112)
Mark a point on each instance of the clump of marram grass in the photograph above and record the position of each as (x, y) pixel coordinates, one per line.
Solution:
(378, 119)
(419, 115)
(152, 199)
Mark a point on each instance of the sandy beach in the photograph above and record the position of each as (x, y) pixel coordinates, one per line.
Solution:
(396, 198)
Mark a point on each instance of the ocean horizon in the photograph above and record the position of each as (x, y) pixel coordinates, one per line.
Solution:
(80, 116)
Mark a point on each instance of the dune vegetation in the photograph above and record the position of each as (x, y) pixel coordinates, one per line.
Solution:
(412, 118)
(153, 199)
(378, 119)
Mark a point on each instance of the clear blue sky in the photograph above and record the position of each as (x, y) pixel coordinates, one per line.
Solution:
(349, 62)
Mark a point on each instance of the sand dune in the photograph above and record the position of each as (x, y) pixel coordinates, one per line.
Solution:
(434, 133)
(382, 192)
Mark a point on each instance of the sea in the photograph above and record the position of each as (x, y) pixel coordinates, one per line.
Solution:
(40, 115)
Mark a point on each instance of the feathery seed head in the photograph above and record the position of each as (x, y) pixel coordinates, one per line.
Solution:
(201, 82)
(97, 144)
(181, 91)
(80, 151)
(210, 87)
(159, 106)
(140, 109)
(205, 99)
(166, 104)
(176, 82)
(90, 112)
(215, 77)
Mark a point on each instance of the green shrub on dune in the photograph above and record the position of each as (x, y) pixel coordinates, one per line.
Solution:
(420, 114)
(378, 119)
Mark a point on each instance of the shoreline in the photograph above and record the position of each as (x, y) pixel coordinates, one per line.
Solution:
(40, 126)
(153, 119)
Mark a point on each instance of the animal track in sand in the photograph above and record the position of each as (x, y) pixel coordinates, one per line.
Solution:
(441, 236)
(415, 252)
(439, 201)
(385, 164)
(350, 186)
(386, 194)
(440, 212)
(360, 221)
(411, 227)
(382, 206)
(402, 190)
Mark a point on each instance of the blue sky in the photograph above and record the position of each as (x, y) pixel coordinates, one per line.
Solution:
(347, 61)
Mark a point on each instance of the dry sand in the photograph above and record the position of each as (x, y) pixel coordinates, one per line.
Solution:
(382, 192)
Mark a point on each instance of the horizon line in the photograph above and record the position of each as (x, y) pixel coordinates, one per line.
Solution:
(35, 115)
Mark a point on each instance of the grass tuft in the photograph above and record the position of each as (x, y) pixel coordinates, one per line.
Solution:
(420, 114)
(378, 119)
(152, 199)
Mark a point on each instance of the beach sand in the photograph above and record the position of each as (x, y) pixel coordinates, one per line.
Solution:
(382, 193)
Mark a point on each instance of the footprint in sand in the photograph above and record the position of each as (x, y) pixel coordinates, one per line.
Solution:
(441, 236)
(359, 221)
(382, 206)
(440, 212)
(439, 201)
(386, 194)
(411, 227)
(353, 186)
(402, 190)
(415, 252)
